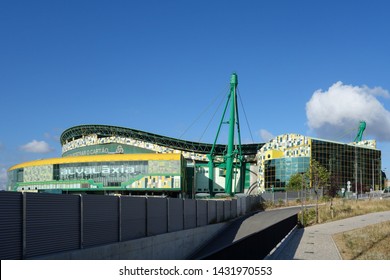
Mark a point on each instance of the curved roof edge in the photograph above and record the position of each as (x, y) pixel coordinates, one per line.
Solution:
(79, 131)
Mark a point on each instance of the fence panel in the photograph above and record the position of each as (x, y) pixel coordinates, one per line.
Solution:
(11, 230)
(175, 214)
(52, 223)
(248, 204)
(226, 210)
(201, 213)
(189, 213)
(156, 216)
(133, 217)
(220, 212)
(100, 219)
(212, 211)
(239, 206)
(233, 208)
(277, 197)
(40, 223)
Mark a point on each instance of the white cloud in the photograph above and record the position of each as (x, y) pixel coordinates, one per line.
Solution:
(37, 147)
(340, 109)
(265, 135)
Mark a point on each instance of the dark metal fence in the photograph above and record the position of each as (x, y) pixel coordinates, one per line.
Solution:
(36, 224)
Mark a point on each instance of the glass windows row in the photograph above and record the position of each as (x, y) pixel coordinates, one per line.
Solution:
(356, 164)
(15, 176)
(278, 171)
(345, 163)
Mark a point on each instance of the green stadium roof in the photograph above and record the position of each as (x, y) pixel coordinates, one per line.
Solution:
(80, 131)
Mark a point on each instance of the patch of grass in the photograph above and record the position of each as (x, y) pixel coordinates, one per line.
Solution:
(282, 203)
(342, 209)
(369, 243)
(327, 211)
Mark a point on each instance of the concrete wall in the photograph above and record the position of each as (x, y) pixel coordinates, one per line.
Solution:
(169, 246)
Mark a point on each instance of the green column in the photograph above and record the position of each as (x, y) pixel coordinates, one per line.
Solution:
(211, 175)
(232, 123)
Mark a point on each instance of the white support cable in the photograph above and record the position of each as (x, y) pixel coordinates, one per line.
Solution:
(201, 114)
(246, 118)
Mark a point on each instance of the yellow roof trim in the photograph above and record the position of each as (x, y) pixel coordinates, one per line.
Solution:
(98, 158)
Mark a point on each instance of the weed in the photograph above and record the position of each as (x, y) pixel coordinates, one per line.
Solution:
(341, 209)
(369, 243)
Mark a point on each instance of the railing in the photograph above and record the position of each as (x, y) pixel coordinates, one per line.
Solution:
(286, 196)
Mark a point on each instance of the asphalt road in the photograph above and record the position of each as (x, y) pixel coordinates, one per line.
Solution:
(245, 226)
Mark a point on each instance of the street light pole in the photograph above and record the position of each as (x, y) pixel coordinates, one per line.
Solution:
(356, 174)
(302, 210)
(373, 178)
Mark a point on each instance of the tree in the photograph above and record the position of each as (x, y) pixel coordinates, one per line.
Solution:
(318, 177)
(295, 182)
(332, 189)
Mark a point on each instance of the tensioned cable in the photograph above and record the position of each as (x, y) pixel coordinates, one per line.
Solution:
(246, 118)
(215, 112)
(199, 116)
(348, 132)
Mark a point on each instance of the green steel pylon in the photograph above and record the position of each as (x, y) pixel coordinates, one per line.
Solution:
(233, 157)
(359, 136)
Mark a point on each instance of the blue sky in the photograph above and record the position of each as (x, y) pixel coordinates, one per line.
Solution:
(309, 67)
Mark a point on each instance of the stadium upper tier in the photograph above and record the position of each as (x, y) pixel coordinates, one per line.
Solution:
(80, 132)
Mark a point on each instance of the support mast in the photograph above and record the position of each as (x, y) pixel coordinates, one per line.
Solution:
(233, 157)
(230, 156)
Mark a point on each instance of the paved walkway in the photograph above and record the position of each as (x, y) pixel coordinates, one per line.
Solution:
(316, 242)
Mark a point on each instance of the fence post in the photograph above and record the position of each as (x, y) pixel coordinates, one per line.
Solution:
(168, 206)
(207, 211)
(273, 196)
(119, 219)
(146, 217)
(81, 222)
(24, 225)
(286, 199)
(196, 214)
(184, 220)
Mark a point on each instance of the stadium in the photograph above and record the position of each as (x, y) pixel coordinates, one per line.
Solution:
(103, 159)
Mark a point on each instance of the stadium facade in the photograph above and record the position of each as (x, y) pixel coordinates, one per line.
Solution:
(116, 160)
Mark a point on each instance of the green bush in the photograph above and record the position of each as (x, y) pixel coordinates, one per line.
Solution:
(309, 217)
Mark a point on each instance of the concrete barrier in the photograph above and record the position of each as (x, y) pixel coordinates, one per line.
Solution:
(168, 246)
